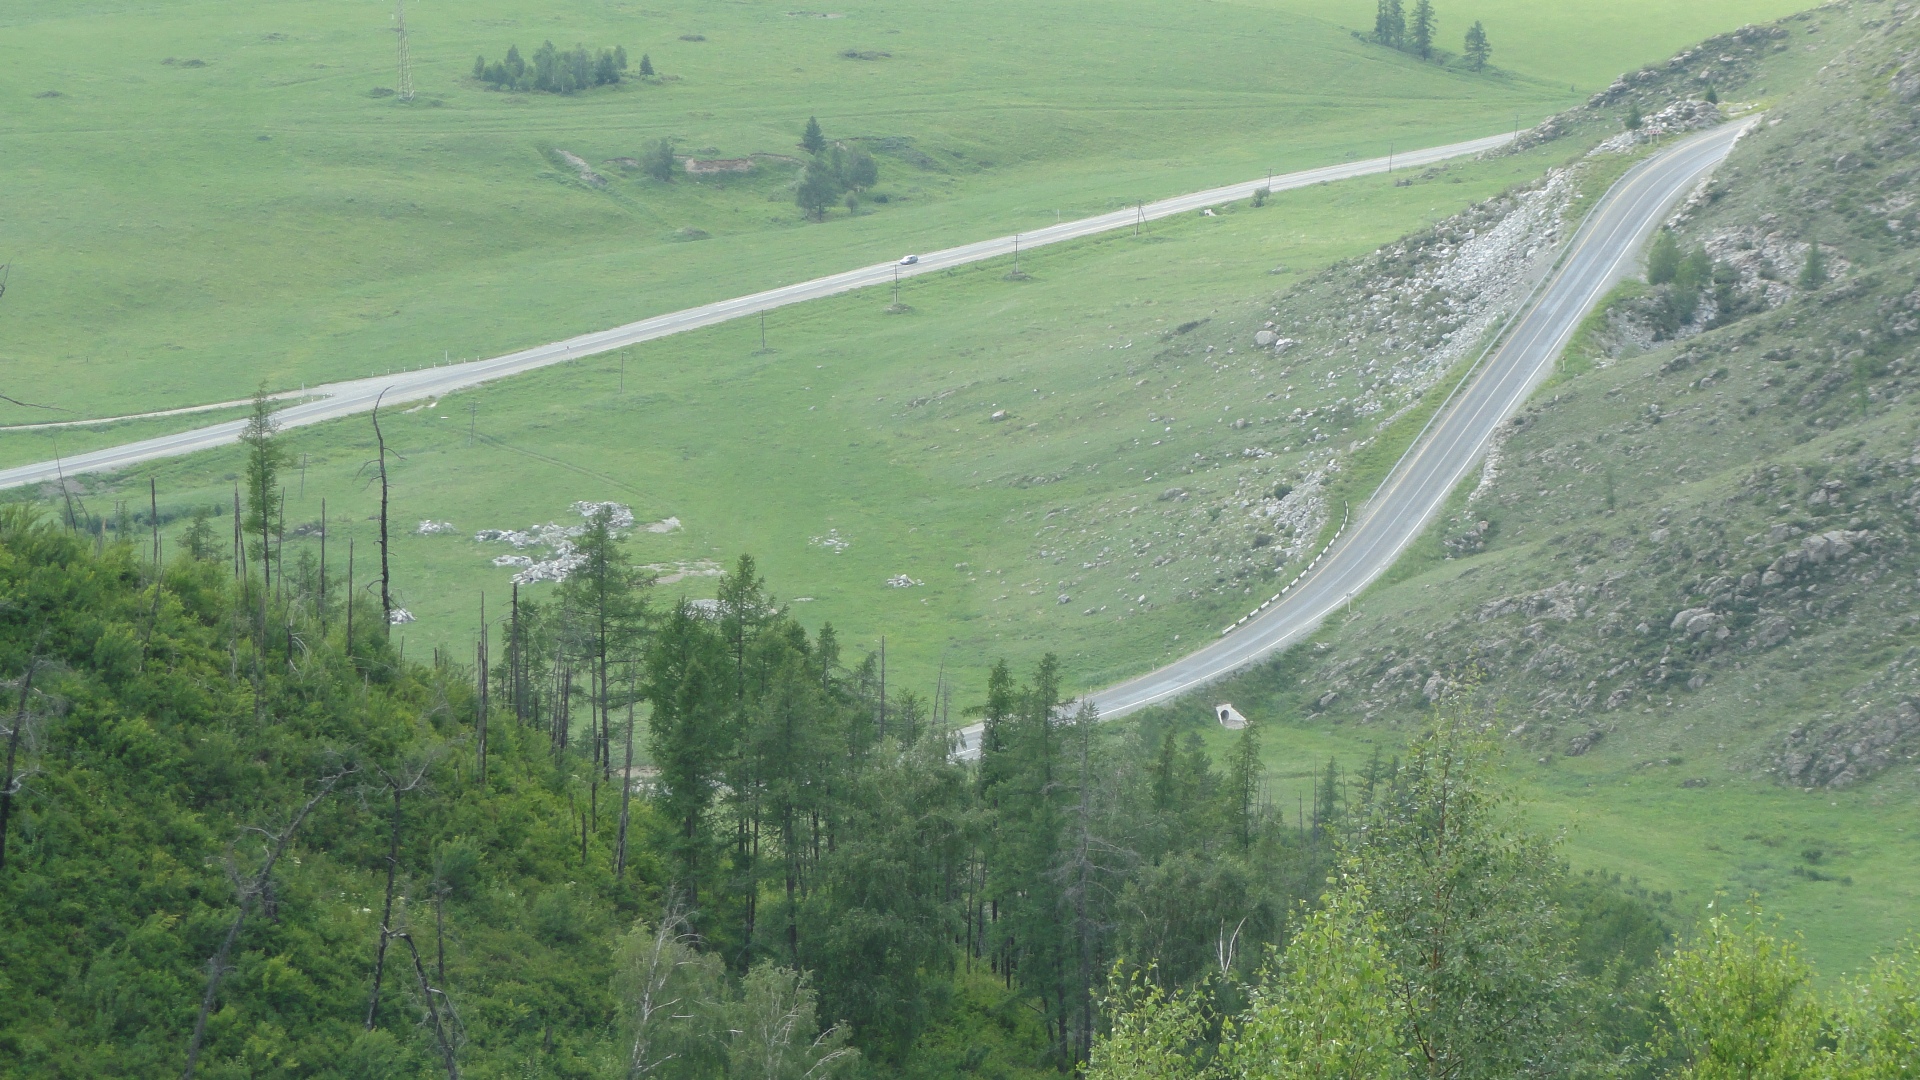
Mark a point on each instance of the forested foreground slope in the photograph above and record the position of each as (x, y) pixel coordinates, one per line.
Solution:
(392, 871)
(244, 840)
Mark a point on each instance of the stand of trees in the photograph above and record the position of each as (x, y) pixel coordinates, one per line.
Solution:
(832, 172)
(1412, 30)
(554, 71)
(630, 837)
(1452, 942)
(635, 837)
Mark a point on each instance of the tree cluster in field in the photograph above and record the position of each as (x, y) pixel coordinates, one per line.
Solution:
(833, 173)
(553, 71)
(1412, 31)
(1450, 944)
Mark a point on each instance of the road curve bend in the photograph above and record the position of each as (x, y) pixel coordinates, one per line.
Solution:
(1603, 251)
(335, 400)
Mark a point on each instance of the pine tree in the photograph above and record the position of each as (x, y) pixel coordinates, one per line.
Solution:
(264, 458)
(1713, 96)
(1390, 24)
(686, 673)
(479, 67)
(1476, 49)
(604, 591)
(1633, 117)
(811, 140)
(646, 66)
(1814, 273)
(1422, 29)
(1243, 785)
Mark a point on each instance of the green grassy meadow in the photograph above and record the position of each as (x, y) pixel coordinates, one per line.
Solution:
(876, 425)
(1727, 844)
(182, 231)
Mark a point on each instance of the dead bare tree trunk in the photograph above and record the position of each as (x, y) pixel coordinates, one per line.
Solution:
(398, 784)
(669, 948)
(429, 994)
(480, 719)
(250, 893)
(626, 792)
(19, 726)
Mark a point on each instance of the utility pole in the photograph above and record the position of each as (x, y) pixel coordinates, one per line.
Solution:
(623, 372)
(763, 331)
(472, 406)
(1389, 162)
(405, 89)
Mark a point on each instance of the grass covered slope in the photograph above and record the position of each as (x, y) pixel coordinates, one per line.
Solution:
(861, 447)
(205, 197)
(1687, 575)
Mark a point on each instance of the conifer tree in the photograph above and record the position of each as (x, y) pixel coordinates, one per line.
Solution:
(1421, 29)
(1814, 273)
(1243, 785)
(689, 739)
(1390, 23)
(1476, 50)
(811, 140)
(646, 66)
(264, 458)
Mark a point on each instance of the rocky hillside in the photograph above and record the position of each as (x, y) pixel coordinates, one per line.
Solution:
(1708, 521)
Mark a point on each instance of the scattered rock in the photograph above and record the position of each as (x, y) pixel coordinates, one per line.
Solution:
(1845, 753)
(1584, 742)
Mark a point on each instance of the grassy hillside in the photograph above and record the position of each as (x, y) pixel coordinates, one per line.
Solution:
(202, 197)
(876, 429)
(1686, 581)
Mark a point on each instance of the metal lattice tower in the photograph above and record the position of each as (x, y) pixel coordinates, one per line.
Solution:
(405, 88)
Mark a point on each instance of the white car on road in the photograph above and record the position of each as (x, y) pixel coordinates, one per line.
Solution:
(909, 260)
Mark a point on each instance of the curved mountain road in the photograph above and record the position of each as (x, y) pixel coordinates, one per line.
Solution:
(1603, 251)
(335, 400)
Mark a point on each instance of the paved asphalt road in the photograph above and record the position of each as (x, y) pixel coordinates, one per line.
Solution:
(1602, 252)
(335, 400)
